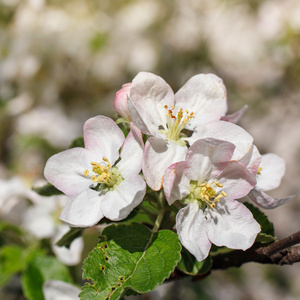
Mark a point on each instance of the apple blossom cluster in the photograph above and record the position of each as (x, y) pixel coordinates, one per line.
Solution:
(183, 144)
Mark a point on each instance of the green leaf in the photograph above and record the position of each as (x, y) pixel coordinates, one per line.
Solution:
(47, 190)
(14, 259)
(267, 234)
(69, 237)
(129, 257)
(78, 142)
(39, 270)
(189, 264)
(11, 262)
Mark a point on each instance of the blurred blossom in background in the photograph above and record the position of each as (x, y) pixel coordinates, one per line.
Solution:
(61, 62)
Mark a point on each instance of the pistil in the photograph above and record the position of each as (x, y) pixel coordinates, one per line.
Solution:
(205, 194)
(104, 173)
(175, 124)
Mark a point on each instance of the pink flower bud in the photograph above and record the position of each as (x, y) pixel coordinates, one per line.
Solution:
(120, 103)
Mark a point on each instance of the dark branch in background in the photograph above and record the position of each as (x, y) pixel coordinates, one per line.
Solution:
(283, 252)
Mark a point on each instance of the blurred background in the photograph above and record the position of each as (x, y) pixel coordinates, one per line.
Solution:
(61, 62)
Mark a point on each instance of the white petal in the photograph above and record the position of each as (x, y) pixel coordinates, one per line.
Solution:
(273, 169)
(131, 153)
(118, 203)
(149, 94)
(60, 290)
(208, 158)
(68, 256)
(39, 222)
(235, 117)
(65, 170)
(176, 183)
(265, 201)
(83, 210)
(251, 160)
(103, 137)
(205, 95)
(237, 181)
(158, 156)
(232, 225)
(191, 227)
(226, 131)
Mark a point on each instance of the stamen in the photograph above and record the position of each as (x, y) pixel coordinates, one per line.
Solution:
(259, 170)
(205, 192)
(218, 183)
(175, 123)
(86, 173)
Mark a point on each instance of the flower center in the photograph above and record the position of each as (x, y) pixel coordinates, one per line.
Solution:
(104, 173)
(205, 194)
(175, 124)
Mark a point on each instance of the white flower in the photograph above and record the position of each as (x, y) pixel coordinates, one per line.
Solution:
(41, 220)
(176, 121)
(269, 175)
(12, 199)
(99, 183)
(60, 290)
(209, 182)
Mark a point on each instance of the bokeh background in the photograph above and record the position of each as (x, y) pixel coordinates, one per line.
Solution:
(62, 62)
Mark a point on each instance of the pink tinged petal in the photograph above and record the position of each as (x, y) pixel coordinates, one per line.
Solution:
(138, 119)
(65, 170)
(208, 158)
(237, 181)
(118, 203)
(265, 201)
(252, 160)
(158, 156)
(235, 117)
(205, 95)
(131, 153)
(83, 210)
(191, 226)
(232, 225)
(226, 131)
(56, 289)
(103, 137)
(149, 94)
(176, 185)
(120, 103)
(273, 169)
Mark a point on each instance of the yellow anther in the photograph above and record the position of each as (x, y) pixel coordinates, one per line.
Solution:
(186, 111)
(218, 183)
(94, 164)
(217, 199)
(166, 106)
(86, 173)
(224, 194)
(212, 205)
(259, 170)
(173, 107)
(105, 159)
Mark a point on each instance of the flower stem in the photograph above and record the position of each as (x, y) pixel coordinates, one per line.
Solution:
(161, 211)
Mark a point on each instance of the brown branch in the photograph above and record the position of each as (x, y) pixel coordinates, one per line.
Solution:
(280, 253)
(283, 252)
(282, 244)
